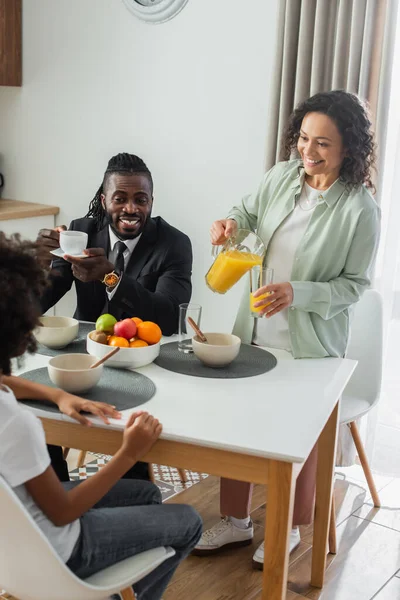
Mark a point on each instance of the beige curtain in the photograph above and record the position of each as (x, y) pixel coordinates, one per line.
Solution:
(325, 45)
(331, 44)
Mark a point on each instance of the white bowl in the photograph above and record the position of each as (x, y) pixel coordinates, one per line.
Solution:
(220, 351)
(56, 332)
(72, 372)
(126, 358)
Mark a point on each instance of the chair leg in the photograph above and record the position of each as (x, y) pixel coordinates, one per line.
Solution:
(364, 463)
(182, 475)
(151, 473)
(65, 453)
(81, 459)
(127, 594)
(332, 529)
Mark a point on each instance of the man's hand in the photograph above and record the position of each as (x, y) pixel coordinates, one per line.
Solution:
(92, 268)
(73, 405)
(47, 240)
(221, 230)
(280, 297)
(141, 432)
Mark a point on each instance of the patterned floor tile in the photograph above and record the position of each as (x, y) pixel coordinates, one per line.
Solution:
(166, 478)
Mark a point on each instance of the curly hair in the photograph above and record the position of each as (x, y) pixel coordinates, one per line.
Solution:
(122, 163)
(23, 280)
(350, 116)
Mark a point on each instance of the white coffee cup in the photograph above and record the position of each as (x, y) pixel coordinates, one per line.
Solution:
(73, 242)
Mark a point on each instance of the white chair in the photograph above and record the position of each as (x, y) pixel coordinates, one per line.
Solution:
(30, 569)
(363, 390)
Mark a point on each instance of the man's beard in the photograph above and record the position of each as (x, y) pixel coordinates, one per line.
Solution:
(130, 236)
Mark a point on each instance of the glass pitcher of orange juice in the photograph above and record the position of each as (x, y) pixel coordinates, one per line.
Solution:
(242, 251)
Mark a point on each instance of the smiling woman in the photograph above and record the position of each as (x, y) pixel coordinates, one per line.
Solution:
(320, 225)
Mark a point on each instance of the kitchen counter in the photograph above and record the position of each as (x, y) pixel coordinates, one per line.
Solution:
(16, 209)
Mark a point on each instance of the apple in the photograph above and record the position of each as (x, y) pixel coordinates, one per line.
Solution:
(126, 329)
(106, 323)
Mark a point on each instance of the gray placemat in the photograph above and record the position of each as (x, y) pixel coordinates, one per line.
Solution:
(124, 389)
(77, 345)
(250, 361)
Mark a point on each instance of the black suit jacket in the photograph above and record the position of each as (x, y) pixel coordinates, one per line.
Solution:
(156, 280)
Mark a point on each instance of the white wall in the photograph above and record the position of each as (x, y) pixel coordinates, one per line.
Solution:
(189, 96)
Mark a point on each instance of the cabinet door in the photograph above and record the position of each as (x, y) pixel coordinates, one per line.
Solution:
(28, 228)
(11, 42)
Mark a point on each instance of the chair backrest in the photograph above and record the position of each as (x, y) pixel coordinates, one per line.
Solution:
(30, 569)
(365, 345)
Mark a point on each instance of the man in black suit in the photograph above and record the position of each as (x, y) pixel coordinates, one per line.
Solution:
(136, 265)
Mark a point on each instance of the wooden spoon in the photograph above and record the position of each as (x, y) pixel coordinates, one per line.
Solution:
(106, 357)
(197, 330)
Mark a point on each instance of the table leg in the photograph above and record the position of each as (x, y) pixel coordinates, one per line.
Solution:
(278, 523)
(323, 499)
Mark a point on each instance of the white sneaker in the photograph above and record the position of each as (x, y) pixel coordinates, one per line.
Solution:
(258, 557)
(223, 535)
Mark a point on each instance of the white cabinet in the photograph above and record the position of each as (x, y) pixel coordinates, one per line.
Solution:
(29, 227)
(26, 218)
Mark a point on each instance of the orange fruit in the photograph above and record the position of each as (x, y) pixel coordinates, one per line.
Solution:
(138, 344)
(118, 341)
(149, 332)
(137, 320)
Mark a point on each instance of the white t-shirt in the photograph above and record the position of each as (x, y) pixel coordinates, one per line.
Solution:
(23, 456)
(274, 332)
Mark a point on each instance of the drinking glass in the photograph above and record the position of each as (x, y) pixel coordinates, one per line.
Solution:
(259, 276)
(185, 332)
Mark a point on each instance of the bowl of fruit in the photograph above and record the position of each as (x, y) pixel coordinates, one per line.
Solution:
(138, 341)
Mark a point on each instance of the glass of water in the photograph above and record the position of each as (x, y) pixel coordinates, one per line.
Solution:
(185, 331)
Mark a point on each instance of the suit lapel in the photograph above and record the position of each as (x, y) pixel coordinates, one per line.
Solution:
(101, 239)
(143, 250)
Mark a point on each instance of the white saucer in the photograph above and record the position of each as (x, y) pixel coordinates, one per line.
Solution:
(60, 254)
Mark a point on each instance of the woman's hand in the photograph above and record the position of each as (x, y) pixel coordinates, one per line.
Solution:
(221, 230)
(73, 405)
(280, 297)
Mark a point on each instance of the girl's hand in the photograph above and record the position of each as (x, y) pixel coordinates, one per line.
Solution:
(73, 405)
(141, 432)
(221, 230)
(280, 297)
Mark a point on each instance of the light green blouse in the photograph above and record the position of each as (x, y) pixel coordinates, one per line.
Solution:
(333, 262)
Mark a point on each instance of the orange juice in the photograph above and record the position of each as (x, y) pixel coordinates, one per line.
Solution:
(228, 268)
(253, 301)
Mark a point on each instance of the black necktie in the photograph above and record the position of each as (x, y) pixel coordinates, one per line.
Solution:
(119, 248)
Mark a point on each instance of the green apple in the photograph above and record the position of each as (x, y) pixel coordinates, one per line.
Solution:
(106, 323)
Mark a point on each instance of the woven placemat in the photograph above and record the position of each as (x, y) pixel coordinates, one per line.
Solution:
(124, 389)
(77, 345)
(250, 361)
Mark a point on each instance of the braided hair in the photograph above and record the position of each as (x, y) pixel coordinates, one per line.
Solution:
(121, 164)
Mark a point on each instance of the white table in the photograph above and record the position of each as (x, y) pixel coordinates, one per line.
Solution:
(259, 429)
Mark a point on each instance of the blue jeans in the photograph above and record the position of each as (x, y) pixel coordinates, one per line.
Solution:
(128, 520)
